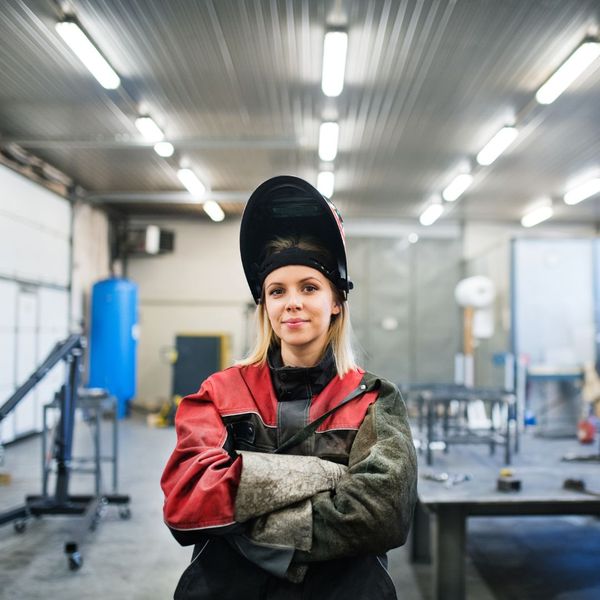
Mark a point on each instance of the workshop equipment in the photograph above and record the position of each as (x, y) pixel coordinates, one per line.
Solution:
(507, 482)
(451, 426)
(578, 485)
(586, 431)
(113, 339)
(476, 296)
(91, 507)
(447, 479)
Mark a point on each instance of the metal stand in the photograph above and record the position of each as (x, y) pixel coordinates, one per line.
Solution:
(92, 403)
(431, 398)
(90, 507)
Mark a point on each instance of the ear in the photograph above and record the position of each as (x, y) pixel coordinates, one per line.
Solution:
(336, 309)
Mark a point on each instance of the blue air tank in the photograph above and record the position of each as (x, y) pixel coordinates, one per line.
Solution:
(113, 340)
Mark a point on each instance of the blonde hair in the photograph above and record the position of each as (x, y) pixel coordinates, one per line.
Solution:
(339, 336)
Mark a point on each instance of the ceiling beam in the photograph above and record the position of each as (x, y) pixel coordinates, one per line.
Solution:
(164, 197)
(126, 142)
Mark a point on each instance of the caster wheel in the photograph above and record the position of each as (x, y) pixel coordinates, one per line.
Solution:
(20, 526)
(75, 561)
(125, 513)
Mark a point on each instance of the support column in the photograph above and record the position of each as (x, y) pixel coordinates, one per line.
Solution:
(449, 553)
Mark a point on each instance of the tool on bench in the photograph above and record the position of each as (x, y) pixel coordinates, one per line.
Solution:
(507, 482)
(578, 485)
(447, 479)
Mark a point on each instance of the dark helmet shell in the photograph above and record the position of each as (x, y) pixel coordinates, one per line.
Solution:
(285, 206)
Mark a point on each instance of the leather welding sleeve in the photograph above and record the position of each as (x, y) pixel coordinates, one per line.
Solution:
(273, 499)
(371, 509)
(270, 482)
(200, 479)
(207, 491)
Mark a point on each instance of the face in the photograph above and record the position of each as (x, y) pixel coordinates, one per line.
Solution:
(299, 303)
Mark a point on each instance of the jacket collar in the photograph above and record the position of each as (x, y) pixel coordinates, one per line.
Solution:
(298, 383)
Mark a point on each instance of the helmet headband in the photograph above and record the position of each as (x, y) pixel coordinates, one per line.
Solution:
(298, 256)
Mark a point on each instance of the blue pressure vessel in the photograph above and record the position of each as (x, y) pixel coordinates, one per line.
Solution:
(113, 343)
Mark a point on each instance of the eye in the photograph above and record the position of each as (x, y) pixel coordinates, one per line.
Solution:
(309, 287)
(276, 291)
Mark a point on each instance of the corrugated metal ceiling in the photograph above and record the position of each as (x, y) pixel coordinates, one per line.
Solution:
(236, 86)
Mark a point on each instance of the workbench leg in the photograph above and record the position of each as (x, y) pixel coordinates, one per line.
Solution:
(430, 410)
(507, 455)
(449, 553)
(492, 430)
(420, 551)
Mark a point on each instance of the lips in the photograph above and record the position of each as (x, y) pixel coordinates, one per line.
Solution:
(292, 324)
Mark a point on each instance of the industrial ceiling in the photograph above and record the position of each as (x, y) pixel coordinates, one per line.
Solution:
(235, 85)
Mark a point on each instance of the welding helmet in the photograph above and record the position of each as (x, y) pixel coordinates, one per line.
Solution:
(287, 206)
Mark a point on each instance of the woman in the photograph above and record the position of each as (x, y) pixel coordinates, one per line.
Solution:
(294, 470)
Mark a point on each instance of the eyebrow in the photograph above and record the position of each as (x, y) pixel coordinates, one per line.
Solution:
(301, 281)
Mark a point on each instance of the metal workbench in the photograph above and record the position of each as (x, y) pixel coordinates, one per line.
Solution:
(434, 404)
(439, 528)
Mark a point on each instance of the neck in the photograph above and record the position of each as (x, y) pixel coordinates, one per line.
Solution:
(301, 356)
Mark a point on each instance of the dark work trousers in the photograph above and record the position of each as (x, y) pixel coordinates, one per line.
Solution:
(218, 572)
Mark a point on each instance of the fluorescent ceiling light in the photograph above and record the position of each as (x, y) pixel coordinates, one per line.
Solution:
(413, 238)
(213, 210)
(325, 183)
(149, 129)
(191, 182)
(431, 214)
(537, 215)
(335, 47)
(164, 149)
(568, 72)
(497, 145)
(88, 54)
(583, 191)
(457, 187)
(328, 140)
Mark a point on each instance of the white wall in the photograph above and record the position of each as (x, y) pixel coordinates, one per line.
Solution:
(91, 258)
(199, 288)
(35, 230)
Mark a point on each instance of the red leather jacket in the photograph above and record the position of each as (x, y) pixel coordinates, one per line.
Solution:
(200, 479)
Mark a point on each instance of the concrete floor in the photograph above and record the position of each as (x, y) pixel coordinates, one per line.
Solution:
(512, 558)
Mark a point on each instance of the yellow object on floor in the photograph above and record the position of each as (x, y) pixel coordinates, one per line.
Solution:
(166, 416)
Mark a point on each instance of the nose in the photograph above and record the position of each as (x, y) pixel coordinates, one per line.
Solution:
(294, 302)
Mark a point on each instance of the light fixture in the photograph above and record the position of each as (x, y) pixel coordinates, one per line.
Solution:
(328, 140)
(497, 145)
(88, 54)
(325, 183)
(538, 214)
(149, 129)
(191, 182)
(335, 47)
(164, 149)
(458, 186)
(432, 213)
(413, 238)
(213, 210)
(568, 72)
(589, 188)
